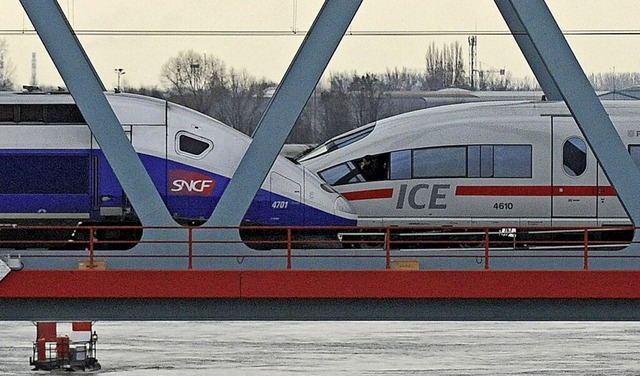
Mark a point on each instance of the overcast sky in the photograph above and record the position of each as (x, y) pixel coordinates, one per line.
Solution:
(269, 56)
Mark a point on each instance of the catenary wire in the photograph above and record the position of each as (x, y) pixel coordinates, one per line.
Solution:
(282, 33)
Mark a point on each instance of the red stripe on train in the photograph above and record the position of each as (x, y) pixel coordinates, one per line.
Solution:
(492, 190)
(369, 194)
(525, 190)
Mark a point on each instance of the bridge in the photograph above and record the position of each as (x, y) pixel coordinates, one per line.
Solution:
(170, 274)
(499, 279)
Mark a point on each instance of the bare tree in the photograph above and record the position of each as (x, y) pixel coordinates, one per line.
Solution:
(367, 95)
(445, 68)
(245, 101)
(335, 105)
(7, 69)
(612, 81)
(434, 77)
(196, 80)
(402, 80)
(456, 62)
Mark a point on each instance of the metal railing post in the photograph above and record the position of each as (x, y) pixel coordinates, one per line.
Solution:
(91, 247)
(288, 248)
(190, 267)
(585, 264)
(387, 247)
(486, 248)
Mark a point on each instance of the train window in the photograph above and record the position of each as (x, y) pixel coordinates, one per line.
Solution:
(343, 173)
(373, 167)
(44, 174)
(634, 151)
(337, 143)
(486, 161)
(367, 168)
(63, 113)
(6, 113)
(192, 145)
(473, 161)
(350, 139)
(574, 156)
(400, 165)
(440, 162)
(480, 161)
(512, 161)
(32, 113)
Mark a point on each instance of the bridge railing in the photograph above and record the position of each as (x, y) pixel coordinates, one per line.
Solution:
(297, 242)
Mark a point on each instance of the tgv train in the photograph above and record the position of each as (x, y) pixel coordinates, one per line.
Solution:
(52, 170)
(494, 164)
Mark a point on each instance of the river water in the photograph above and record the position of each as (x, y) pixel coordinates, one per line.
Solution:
(348, 348)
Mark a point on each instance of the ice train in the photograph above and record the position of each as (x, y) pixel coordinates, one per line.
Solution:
(52, 171)
(494, 164)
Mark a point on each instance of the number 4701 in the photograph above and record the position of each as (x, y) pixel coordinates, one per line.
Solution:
(280, 204)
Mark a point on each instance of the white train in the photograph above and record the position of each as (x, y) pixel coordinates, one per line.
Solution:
(495, 164)
(52, 171)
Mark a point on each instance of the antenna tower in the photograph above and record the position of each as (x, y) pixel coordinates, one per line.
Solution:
(473, 59)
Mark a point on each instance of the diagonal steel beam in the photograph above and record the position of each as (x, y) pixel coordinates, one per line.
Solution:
(87, 90)
(586, 108)
(283, 110)
(547, 84)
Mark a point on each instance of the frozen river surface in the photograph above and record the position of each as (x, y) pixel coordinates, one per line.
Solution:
(348, 348)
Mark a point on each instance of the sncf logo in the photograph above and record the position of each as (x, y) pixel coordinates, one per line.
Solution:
(183, 182)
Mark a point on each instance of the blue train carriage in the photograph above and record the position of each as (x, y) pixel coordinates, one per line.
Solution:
(54, 173)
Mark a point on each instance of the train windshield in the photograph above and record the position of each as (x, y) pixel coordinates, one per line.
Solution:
(337, 143)
(367, 168)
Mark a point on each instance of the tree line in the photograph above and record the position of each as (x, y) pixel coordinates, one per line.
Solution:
(338, 104)
(345, 101)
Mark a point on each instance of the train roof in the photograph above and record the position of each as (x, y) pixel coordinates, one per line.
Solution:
(61, 97)
(496, 111)
(405, 125)
(131, 109)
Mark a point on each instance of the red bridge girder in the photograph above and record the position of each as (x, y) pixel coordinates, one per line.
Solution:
(321, 284)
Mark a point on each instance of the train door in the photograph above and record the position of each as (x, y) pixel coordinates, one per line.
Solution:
(286, 196)
(574, 182)
(109, 200)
